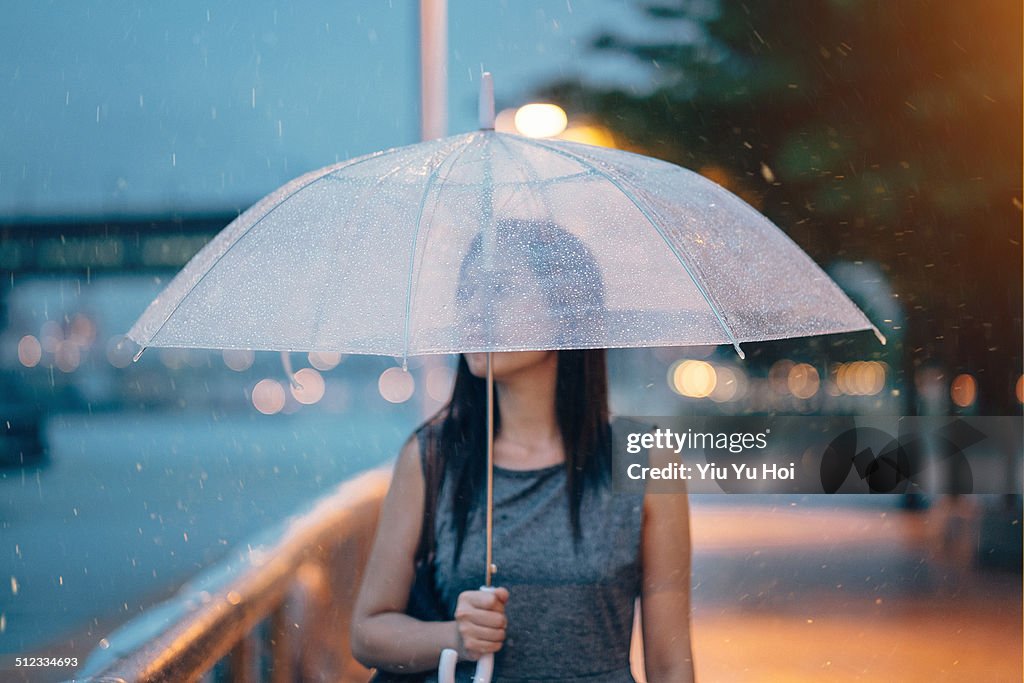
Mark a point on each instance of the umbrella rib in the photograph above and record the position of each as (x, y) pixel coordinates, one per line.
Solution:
(364, 198)
(531, 173)
(620, 185)
(332, 169)
(415, 243)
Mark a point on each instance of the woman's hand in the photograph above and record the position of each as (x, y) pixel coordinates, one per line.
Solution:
(480, 622)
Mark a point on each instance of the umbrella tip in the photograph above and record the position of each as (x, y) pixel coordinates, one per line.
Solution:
(739, 351)
(486, 109)
(138, 355)
(878, 335)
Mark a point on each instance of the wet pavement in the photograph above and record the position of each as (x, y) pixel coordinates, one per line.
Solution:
(812, 591)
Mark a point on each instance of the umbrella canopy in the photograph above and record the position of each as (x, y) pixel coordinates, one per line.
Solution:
(443, 246)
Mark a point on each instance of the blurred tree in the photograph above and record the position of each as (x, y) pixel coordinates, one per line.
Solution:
(885, 130)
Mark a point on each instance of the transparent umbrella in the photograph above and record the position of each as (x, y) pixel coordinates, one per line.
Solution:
(366, 256)
(489, 242)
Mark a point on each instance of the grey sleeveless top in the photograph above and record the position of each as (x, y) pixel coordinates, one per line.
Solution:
(570, 615)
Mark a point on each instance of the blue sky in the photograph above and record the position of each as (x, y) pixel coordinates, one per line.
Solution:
(126, 107)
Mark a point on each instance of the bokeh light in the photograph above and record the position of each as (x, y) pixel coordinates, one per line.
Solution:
(692, 378)
(1020, 389)
(268, 396)
(778, 376)
(30, 351)
(540, 120)
(119, 351)
(963, 390)
(238, 359)
(505, 121)
(312, 383)
(439, 383)
(860, 378)
(396, 385)
(83, 330)
(325, 360)
(730, 385)
(803, 380)
(589, 135)
(67, 356)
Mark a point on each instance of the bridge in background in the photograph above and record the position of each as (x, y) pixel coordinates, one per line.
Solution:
(81, 248)
(116, 244)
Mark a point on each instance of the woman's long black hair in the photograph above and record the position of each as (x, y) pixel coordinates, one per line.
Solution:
(572, 286)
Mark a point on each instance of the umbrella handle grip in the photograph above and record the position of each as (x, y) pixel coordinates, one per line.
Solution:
(449, 658)
(446, 667)
(484, 669)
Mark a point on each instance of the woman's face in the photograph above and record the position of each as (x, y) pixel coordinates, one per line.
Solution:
(506, 364)
(506, 307)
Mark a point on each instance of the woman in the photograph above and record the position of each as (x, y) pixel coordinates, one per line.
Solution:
(571, 554)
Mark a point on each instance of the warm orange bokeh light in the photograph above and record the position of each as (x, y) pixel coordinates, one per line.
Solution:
(693, 378)
(589, 134)
(860, 378)
(963, 390)
(730, 385)
(803, 380)
(540, 120)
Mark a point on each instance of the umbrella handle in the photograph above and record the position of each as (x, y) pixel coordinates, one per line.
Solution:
(446, 667)
(484, 669)
(449, 658)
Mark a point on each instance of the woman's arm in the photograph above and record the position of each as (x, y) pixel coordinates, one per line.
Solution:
(665, 597)
(383, 636)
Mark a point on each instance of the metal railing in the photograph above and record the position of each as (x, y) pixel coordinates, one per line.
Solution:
(278, 611)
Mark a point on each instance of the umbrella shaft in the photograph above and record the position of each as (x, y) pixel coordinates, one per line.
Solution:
(490, 469)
